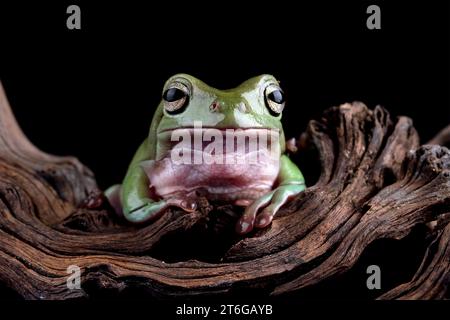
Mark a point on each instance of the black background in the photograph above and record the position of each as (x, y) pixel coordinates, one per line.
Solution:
(92, 93)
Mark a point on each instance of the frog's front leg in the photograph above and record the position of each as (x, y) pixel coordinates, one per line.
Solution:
(132, 199)
(290, 183)
(137, 204)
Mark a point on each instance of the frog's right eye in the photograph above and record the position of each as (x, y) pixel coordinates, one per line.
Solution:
(176, 98)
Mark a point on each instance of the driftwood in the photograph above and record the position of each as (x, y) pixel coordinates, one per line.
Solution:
(442, 138)
(375, 182)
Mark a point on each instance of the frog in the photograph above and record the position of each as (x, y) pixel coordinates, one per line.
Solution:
(157, 180)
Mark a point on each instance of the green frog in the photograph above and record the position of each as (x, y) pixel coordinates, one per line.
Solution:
(225, 145)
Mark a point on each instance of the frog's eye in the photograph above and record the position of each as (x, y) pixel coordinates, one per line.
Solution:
(176, 98)
(274, 97)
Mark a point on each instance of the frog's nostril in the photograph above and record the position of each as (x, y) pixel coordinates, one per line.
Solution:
(215, 106)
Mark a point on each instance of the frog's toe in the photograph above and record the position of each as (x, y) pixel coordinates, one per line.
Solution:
(242, 202)
(266, 216)
(187, 205)
(246, 223)
(280, 197)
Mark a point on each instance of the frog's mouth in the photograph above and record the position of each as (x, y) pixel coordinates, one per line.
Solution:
(225, 164)
(199, 127)
(214, 141)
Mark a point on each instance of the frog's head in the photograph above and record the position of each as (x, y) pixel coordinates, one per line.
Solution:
(256, 103)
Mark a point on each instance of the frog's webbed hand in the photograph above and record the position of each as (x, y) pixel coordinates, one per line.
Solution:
(290, 183)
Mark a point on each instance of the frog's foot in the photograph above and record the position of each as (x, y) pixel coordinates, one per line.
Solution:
(185, 204)
(269, 205)
(152, 210)
(147, 209)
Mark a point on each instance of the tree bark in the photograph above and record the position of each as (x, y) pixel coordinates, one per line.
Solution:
(376, 182)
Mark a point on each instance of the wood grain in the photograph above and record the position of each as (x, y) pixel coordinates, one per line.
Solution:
(376, 182)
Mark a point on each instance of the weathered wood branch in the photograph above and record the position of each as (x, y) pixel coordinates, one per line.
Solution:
(376, 182)
(442, 137)
(433, 277)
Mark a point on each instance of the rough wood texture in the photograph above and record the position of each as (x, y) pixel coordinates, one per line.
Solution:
(375, 182)
(433, 277)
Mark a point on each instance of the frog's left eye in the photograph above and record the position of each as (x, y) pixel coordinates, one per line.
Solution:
(274, 97)
(176, 98)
